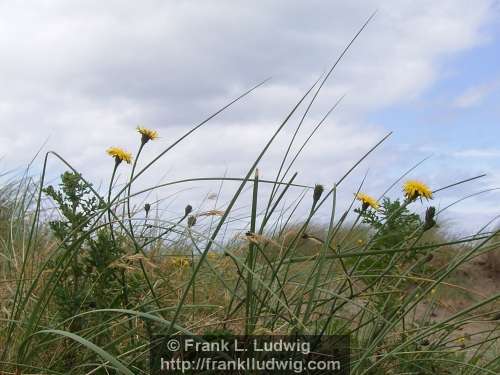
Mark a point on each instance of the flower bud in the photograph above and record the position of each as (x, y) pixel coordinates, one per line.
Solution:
(191, 221)
(429, 218)
(318, 190)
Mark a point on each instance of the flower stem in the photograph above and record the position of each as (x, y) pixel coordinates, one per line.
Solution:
(109, 200)
(129, 215)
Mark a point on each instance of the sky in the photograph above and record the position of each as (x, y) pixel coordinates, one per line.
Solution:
(78, 77)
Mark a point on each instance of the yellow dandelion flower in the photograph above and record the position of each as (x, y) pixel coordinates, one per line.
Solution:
(367, 201)
(120, 154)
(147, 134)
(212, 256)
(414, 189)
(360, 242)
(180, 262)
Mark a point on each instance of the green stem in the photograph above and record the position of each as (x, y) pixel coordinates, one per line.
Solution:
(131, 179)
(249, 308)
(109, 200)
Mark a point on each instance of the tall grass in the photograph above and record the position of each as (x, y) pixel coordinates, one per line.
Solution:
(83, 292)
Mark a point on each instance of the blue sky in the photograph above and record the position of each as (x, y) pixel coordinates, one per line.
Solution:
(456, 121)
(82, 76)
(474, 77)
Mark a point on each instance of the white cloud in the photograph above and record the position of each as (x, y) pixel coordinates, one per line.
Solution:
(473, 96)
(85, 74)
(478, 153)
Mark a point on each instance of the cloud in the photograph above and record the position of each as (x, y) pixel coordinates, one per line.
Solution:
(478, 153)
(474, 96)
(85, 74)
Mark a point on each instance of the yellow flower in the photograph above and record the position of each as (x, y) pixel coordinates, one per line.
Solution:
(120, 154)
(147, 134)
(367, 201)
(212, 256)
(360, 242)
(414, 189)
(180, 262)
